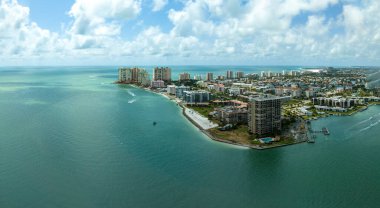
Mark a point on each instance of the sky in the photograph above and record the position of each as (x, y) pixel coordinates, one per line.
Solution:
(190, 32)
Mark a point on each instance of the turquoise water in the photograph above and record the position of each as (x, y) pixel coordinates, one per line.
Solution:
(71, 138)
(266, 140)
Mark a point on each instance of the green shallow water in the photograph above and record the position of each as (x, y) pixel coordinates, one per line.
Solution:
(70, 138)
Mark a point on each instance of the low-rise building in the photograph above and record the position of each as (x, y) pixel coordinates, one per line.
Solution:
(200, 97)
(179, 92)
(171, 89)
(157, 84)
(232, 115)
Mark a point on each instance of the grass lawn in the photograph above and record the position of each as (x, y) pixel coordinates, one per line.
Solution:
(238, 135)
(203, 110)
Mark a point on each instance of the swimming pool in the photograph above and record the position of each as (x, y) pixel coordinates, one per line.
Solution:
(266, 140)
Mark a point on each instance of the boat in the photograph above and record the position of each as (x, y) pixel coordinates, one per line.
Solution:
(154, 123)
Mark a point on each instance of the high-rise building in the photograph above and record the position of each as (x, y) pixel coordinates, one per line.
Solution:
(162, 73)
(239, 75)
(184, 76)
(230, 74)
(210, 76)
(197, 77)
(264, 115)
(133, 76)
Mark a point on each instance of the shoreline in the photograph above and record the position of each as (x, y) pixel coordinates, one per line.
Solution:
(206, 132)
(214, 138)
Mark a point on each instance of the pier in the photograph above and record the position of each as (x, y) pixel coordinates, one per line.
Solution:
(312, 134)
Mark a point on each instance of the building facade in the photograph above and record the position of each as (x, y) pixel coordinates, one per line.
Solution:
(134, 76)
(184, 76)
(162, 73)
(179, 91)
(200, 97)
(171, 89)
(210, 76)
(239, 75)
(157, 84)
(230, 74)
(232, 115)
(264, 115)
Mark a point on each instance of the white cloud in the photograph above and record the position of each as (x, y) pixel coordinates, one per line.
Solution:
(19, 37)
(100, 17)
(255, 32)
(159, 4)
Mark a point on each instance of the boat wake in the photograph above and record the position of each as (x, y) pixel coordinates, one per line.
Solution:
(132, 101)
(370, 126)
(131, 93)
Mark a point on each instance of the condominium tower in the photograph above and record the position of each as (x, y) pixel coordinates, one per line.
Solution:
(264, 115)
(184, 76)
(230, 74)
(162, 73)
(210, 76)
(133, 76)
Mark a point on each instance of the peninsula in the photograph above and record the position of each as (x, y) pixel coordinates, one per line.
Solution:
(262, 110)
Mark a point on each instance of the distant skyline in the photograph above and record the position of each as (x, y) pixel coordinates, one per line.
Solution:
(196, 32)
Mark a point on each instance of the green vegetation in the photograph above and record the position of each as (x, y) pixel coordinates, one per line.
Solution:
(238, 135)
(203, 110)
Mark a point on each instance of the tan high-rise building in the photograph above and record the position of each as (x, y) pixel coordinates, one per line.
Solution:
(133, 76)
(230, 74)
(264, 115)
(162, 73)
(210, 76)
(184, 76)
(239, 75)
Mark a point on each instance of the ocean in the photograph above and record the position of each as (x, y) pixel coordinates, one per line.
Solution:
(69, 137)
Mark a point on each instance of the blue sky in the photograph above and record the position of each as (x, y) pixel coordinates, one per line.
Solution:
(232, 32)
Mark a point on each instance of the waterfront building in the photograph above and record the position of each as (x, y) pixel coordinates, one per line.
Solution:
(200, 97)
(239, 75)
(179, 91)
(171, 89)
(230, 74)
(134, 76)
(210, 76)
(262, 74)
(162, 73)
(264, 115)
(232, 115)
(198, 77)
(220, 77)
(157, 84)
(184, 76)
(338, 101)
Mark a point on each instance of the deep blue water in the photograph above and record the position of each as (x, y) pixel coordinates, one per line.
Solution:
(71, 138)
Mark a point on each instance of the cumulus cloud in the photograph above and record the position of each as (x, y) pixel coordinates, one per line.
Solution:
(159, 4)
(19, 37)
(252, 31)
(99, 17)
